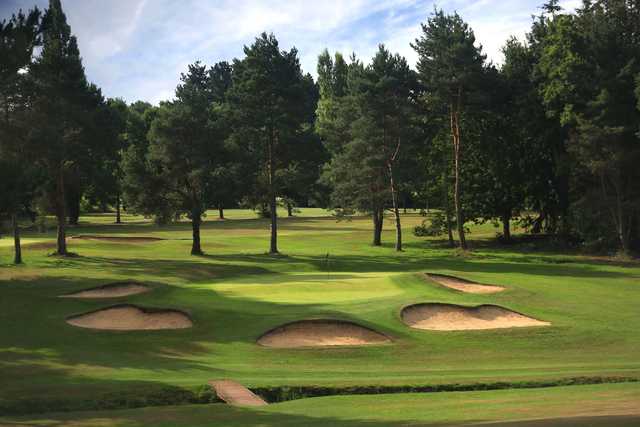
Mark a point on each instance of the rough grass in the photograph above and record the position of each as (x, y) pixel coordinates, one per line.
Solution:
(236, 292)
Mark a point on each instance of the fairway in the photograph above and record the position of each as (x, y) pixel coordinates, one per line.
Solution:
(345, 213)
(235, 293)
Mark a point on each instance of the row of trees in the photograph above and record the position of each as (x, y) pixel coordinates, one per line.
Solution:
(57, 131)
(235, 131)
(551, 137)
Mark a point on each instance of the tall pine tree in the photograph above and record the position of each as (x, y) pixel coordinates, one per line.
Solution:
(18, 38)
(450, 65)
(59, 107)
(269, 104)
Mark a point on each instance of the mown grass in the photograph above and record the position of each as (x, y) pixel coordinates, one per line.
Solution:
(613, 405)
(236, 292)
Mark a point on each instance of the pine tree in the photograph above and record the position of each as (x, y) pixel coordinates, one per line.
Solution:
(590, 68)
(61, 88)
(368, 150)
(269, 105)
(186, 145)
(18, 38)
(450, 66)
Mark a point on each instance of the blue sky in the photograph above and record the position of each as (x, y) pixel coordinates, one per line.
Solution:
(136, 49)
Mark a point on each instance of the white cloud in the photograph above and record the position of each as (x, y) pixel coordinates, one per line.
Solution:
(136, 49)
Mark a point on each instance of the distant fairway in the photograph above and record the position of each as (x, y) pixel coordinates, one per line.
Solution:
(236, 293)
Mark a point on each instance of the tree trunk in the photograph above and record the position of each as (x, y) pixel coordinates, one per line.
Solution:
(220, 211)
(377, 216)
(536, 228)
(74, 208)
(118, 216)
(196, 219)
(617, 212)
(16, 240)
(273, 248)
(396, 210)
(623, 227)
(60, 213)
(289, 209)
(447, 210)
(455, 128)
(506, 229)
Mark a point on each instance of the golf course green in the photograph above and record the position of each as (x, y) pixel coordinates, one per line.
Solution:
(236, 292)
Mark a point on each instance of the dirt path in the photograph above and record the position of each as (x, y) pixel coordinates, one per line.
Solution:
(234, 393)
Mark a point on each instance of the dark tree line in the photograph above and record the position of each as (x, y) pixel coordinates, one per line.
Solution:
(550, 138)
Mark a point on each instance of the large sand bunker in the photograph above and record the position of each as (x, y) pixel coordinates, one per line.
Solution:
(464, 285)
(112, 290)
(128, 317)
(449, 317)
(118, 239)
(318, 333)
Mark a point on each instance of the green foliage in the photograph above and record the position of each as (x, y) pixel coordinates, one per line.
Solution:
(449, 63)
(143, 186)
(434, 226)
(379, 132)
(271, 105)
(589, 64)
(451, 71)
(158, 396)
(18, 38)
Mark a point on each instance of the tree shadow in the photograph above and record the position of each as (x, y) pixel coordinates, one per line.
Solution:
(56, 357)
(224, 415)
(411, 263)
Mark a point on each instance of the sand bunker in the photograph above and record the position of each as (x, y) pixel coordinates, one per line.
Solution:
(318, 333)
(119, 239)
(464, 285)
(130, 318)
(112, 290)
(40, 245)
(449, 317)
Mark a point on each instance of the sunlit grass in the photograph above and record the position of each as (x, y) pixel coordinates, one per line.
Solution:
(327, 269)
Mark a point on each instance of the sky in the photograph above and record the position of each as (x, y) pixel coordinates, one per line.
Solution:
(136, 49)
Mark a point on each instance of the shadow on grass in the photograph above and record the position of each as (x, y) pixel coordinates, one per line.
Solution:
(36, 342)
(222, 415)
(527, 251)
(252, 224)
(216, 268)
(391, 262)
